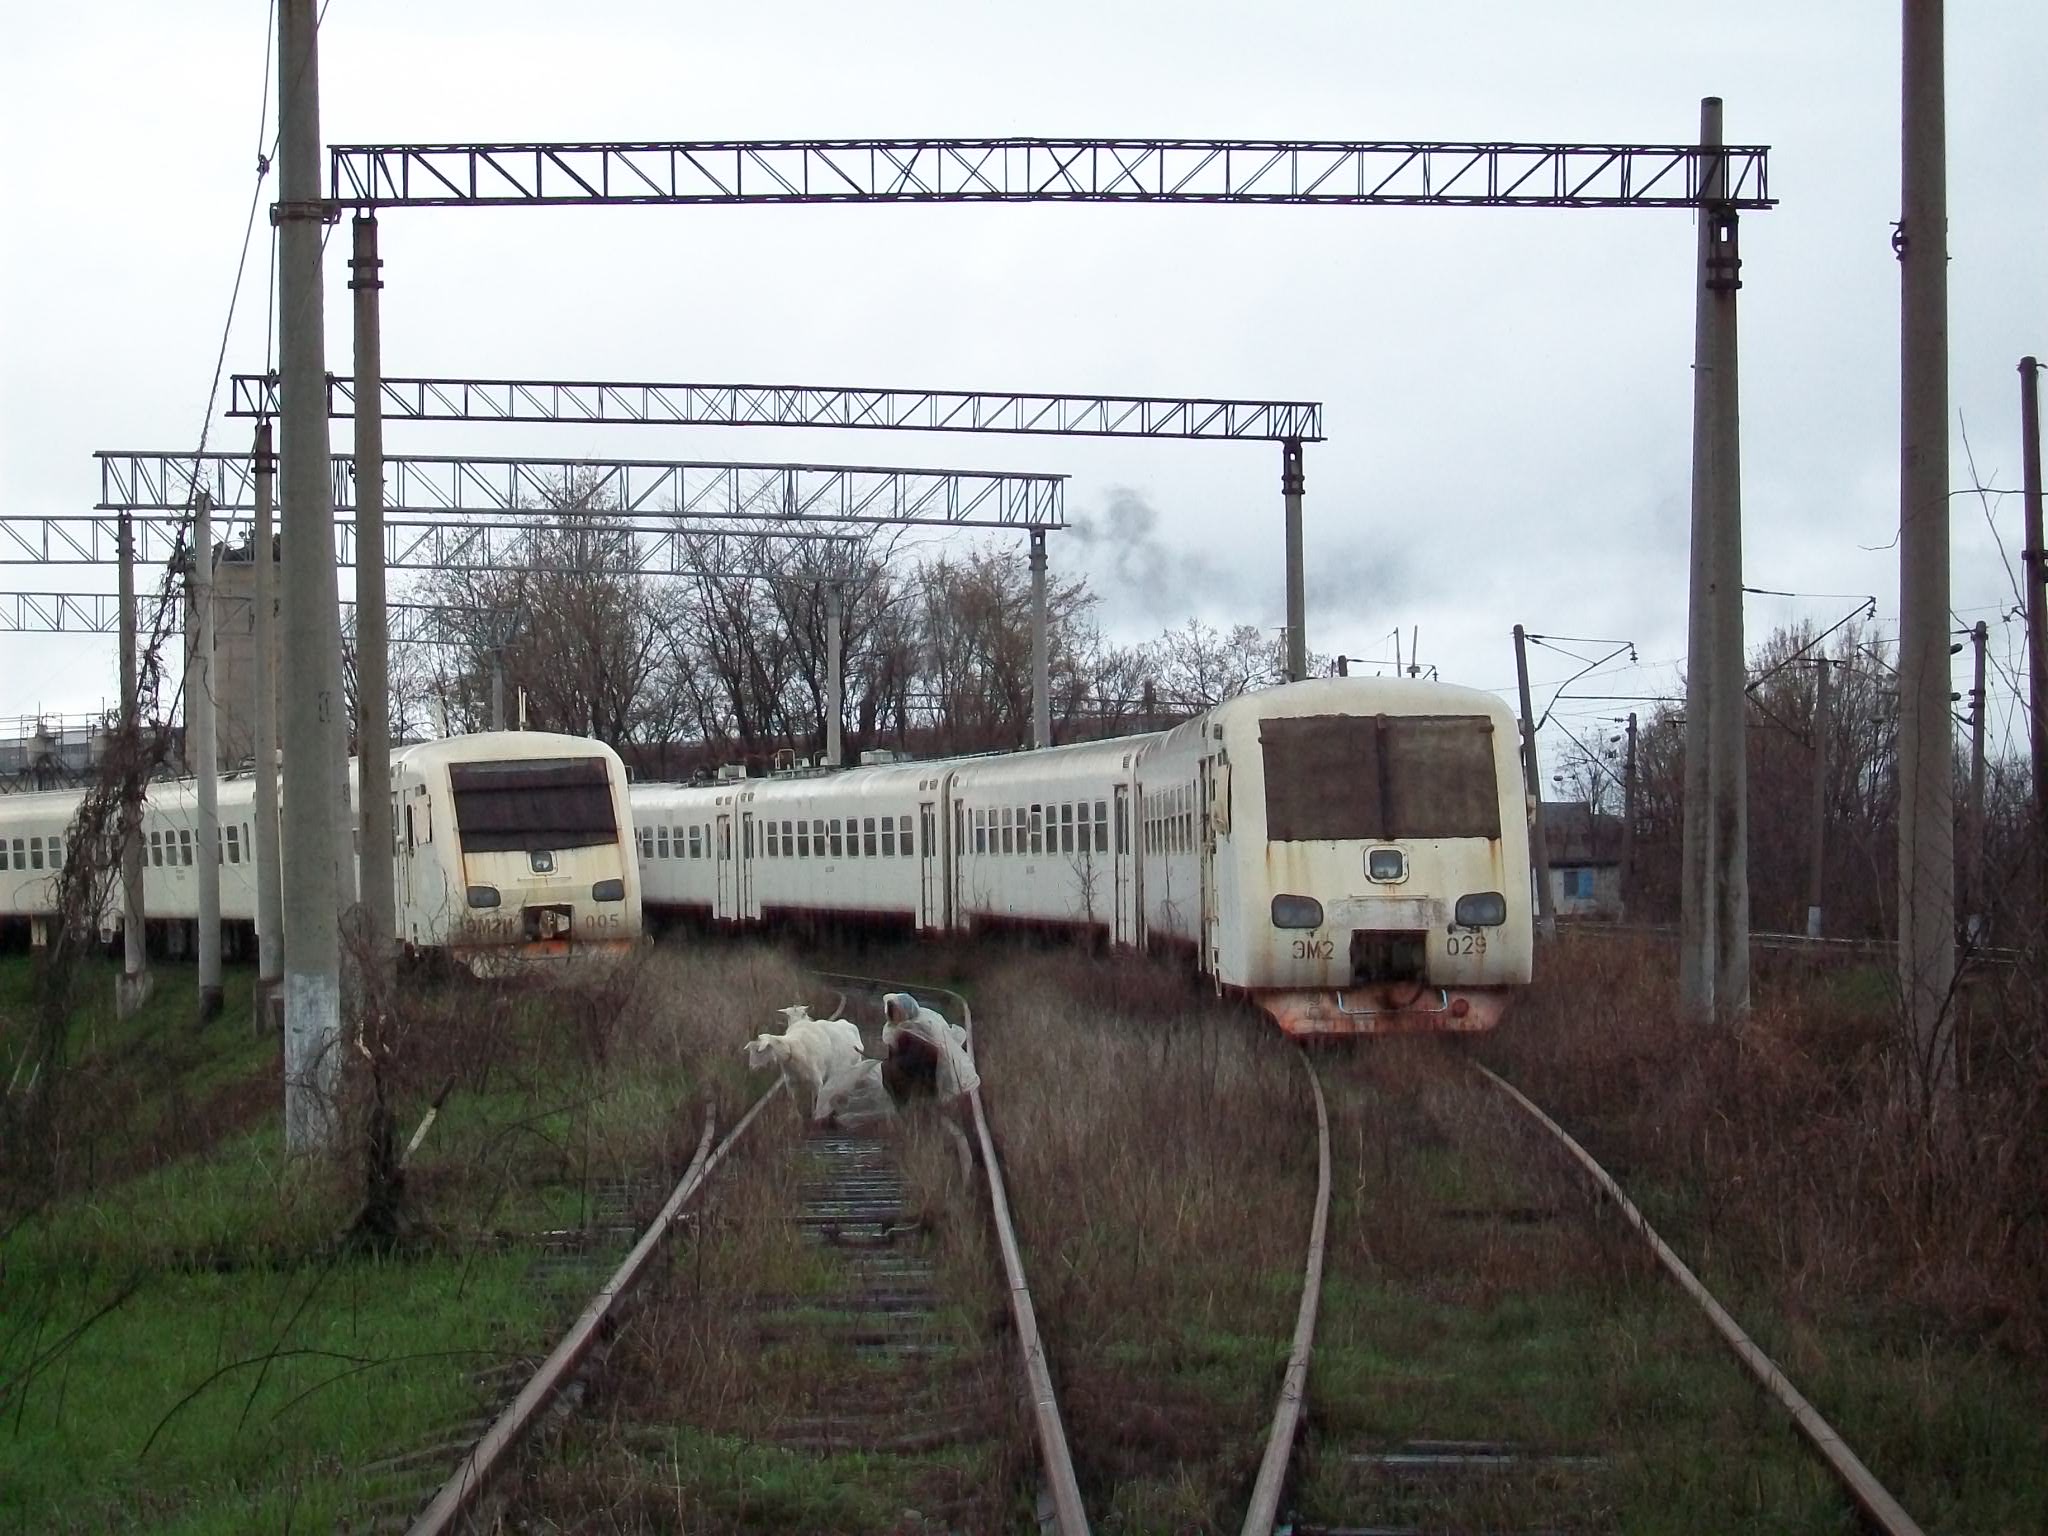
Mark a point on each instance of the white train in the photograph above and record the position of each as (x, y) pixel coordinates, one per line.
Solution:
(508, 846)
(1352, 853)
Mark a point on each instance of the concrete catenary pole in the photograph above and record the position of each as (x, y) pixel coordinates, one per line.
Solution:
(269, 894)
(134, 984)
(835, 678)
(1041, 647)
(1539, 843)
(1696, 905)
(373, 691)
(497, 687)
(1292, 483)
(1628, 819)
(1727, 762)
(1975, 916)
(1927, 896)
(1817, 847)
(2036, 563)
(202, 751)
(313, 758)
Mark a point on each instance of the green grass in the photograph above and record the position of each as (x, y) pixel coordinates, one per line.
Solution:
(187, 1287)
(201, 1392)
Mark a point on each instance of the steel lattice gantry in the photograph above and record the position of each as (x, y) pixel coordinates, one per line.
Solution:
(99, 613)
(1343, 172)
(414, 544)
(802, 405)
(727, 492)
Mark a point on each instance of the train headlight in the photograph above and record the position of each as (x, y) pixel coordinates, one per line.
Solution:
(1482, 909)
(1297, 912)
(483, 895)
(542, 861)
(1386, 864)
(608, 890)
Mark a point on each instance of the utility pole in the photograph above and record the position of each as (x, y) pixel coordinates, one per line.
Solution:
(1628, 818)
(201, 751)
(312, 717)
(1728, 727)
(1817, 855)
(2036, 563)
(269, 895)
(1697, 907)
(373, 688)
(835, 681)
(1927, 896)
(1975, 919)
(134, 985)
(1546, 907)
(1041, 648)
(1292, 483)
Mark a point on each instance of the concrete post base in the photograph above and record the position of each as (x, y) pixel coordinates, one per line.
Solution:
(131, 992)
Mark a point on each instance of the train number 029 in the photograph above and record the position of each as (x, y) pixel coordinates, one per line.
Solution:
(1466, 944)
(1313, 949)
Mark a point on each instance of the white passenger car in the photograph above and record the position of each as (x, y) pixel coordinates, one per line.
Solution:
(1352, 852)
(508, 846)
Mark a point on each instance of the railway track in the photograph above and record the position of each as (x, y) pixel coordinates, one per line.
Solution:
(1804, 946)
(1490, 1483)
(852, 1310)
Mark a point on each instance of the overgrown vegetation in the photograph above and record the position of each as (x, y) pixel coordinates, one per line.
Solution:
(1161, 1160)
(1896, 1264)
(193, 1332)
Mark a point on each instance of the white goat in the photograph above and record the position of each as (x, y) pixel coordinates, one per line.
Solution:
(810, 1053)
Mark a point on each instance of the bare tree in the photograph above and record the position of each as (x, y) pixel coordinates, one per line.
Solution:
(578, 627)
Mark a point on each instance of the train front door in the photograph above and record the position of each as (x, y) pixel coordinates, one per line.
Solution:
(1125, 886)
(931, 880)
(722, 909)
(745, 874)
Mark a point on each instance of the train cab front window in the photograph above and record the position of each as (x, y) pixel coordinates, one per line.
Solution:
(526, 804)
(1350, 778)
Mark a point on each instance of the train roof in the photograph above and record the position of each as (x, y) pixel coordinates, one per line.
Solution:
(1317, 696)
(498, 747)
(1361, 696)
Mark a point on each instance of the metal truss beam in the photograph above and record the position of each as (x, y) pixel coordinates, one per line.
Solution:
(799, 405)
(1372, 173)
(723, 492)
(99, 613)
(420, 544)
(60, 613)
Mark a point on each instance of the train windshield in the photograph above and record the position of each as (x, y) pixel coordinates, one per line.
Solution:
(532, 804)
(1350, 777)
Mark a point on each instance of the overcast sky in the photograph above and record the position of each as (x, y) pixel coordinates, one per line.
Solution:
(1507, 392)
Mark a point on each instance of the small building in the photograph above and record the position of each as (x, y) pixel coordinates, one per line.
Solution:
(1586, 849)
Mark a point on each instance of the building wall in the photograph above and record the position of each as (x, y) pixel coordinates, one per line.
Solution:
(234, 659)
(1586, 890)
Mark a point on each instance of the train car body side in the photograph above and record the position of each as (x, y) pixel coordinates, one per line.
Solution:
(1352, 854)
(509, 847)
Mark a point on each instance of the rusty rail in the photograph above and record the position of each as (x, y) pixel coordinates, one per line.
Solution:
(1884, 1511)
(1069, 1517)
(1879, 950)
(1264, 1510)
(490, 1453)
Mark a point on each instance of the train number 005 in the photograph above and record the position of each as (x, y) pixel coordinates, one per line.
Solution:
(1467, 944)
(1313, 949)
